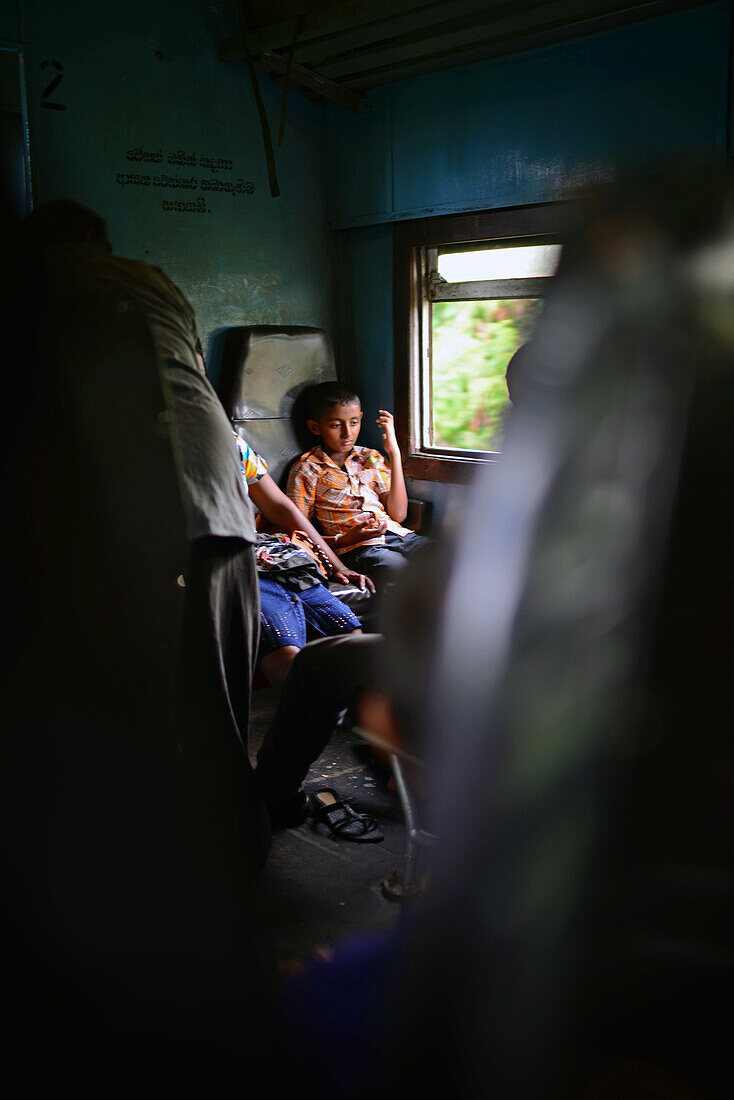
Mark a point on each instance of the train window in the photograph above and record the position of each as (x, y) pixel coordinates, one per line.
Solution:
(481, 305)
(463, 306)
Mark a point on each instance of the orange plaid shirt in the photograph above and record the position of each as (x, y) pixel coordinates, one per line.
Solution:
(338, 497)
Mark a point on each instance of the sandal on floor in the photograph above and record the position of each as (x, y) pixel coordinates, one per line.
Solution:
(341, 820)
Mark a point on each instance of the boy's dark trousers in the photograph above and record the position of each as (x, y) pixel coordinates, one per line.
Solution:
(383, 560)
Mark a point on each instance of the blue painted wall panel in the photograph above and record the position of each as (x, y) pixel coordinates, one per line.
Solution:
(10, 22)
(360, 161)
(143, 75)
(364, 355)
(533, 126)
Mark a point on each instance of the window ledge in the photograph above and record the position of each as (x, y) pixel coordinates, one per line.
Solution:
(454, 469)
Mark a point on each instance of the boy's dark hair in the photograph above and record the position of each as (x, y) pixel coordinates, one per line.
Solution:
(326, 395)
(62, 221)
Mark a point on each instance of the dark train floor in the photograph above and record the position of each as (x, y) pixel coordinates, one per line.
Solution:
(317, 892)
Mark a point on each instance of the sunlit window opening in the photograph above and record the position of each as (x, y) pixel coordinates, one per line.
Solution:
(472, 343)
(483, 304)
(519, 262)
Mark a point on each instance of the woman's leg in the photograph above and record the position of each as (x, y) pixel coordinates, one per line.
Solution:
(283, 618)
(277, 663)
(326, 613)
(282, 630)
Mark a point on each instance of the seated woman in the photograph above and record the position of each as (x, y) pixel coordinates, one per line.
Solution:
(292, 595)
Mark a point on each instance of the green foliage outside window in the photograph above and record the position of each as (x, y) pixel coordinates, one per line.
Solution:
(472, 345)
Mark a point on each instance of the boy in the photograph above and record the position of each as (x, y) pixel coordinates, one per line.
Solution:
(358, 500)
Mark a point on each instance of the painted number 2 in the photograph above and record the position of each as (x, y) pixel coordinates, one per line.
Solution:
(52, 85)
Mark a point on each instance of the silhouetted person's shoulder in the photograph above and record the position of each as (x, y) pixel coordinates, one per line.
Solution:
(74, 269)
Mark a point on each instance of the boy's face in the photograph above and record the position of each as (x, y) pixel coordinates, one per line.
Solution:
(338, 428)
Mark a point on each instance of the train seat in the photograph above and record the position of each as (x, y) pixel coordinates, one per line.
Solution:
(264, 370)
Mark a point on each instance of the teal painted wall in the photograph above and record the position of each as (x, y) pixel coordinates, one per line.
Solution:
(526, 128)
(142, 77)
(366, 311)
(534, 126)
(11, 21)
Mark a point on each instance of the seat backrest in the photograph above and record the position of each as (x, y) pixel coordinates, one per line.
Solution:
(264, 369)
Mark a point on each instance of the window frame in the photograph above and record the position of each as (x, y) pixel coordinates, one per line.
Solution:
(412, 241)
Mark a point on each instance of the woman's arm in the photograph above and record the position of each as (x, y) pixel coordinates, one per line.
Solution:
(283, 514)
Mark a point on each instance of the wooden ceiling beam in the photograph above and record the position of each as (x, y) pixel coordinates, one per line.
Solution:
(329, 89)
(326, 46)
(469, 33)
(278, 36)
(348, 48)
(485, 49)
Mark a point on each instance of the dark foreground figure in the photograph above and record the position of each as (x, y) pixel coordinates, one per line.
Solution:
(132, 823)
(576, 939)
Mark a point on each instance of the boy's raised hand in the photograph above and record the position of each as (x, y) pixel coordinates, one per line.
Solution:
(386, 422)
(395, 500)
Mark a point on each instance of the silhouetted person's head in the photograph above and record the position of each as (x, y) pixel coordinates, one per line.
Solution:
(514, 374)
(63, 221)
